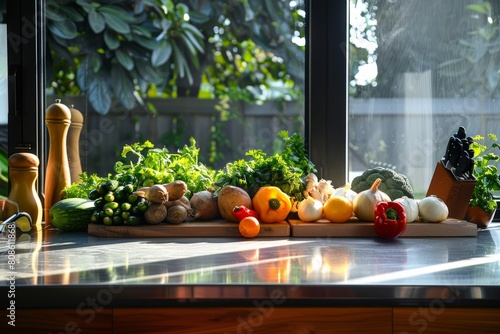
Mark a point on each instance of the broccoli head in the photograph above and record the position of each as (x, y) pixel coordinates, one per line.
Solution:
(394, 184)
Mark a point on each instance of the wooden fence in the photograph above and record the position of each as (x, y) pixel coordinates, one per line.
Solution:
(176, 121)
(409, 134)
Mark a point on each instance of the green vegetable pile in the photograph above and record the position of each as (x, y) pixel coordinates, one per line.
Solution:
(394, 184)
(86, 184)
(159, 166)
(284, 170)
(153, 165)
(117, 204)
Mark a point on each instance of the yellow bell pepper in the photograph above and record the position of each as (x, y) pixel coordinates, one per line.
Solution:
(272, 204)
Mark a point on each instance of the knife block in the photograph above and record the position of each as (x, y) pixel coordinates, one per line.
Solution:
(455, 193)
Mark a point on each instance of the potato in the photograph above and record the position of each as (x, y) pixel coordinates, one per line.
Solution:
(228, 198)
(204, 205)
(155, 213)
(183, 201)
(157, 194)
(176, 214)
(176, 189)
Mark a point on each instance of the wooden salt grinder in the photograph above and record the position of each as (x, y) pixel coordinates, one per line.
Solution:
(75, 166)
(57, 120)
(23, 173)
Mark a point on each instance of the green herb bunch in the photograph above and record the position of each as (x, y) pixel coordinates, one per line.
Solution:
(84, 186)
(284, 170)
(143, 165)
(159, 166)
(485, 172)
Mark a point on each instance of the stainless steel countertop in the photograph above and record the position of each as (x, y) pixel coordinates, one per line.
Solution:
(64, 269)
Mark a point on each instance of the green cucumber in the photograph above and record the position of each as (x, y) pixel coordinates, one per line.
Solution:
(72, 214)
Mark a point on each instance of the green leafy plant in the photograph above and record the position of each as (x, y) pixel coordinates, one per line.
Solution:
(486, 173)
(284, 170)
(143, 164)
(120, 48)
(86, 183)
(155, 165)
(4, 173)
(475, 61)
(119, 52)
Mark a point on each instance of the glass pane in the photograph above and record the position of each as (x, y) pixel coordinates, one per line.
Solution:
(4, 100)
(4, 97)
(419, 70)
(228, 74)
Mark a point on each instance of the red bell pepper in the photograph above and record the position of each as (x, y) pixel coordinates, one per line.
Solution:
(240, 211)
(390, 220)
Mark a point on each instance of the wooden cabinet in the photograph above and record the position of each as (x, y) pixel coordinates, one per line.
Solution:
(57, 321)
(263, 318)
(440, 319)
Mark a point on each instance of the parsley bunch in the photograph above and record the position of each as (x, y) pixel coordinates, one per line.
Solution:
(159, 166)
(143, 164)
(81, 189)
(284, 170)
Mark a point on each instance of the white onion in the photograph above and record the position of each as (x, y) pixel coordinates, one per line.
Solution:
(432, 209)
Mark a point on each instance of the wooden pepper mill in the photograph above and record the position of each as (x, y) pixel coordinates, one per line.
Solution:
(57, 177)
(75, 166)
(23, 173)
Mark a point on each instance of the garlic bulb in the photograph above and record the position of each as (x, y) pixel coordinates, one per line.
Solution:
(365, 201)
(432, 209)
(318, 189)
(345, 191)
(310, 209)
(325, 189)
(411, 208)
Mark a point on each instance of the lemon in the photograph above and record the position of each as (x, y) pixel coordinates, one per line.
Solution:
(338, 209)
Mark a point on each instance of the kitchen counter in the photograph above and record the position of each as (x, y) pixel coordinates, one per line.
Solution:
(72, 282)
(60, 269)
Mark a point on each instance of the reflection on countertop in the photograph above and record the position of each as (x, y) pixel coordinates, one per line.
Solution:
(234, 268)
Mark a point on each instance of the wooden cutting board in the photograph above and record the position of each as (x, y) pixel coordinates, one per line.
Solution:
(215, 228)
(449, 228)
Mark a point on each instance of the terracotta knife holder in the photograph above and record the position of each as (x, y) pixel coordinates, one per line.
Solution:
(454, 192)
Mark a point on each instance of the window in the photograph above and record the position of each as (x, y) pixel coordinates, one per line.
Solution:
(228, 74)
(26, 78)
(418, 70)
(4, 104)
(377, 82)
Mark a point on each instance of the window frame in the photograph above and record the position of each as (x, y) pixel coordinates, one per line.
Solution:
(325, 91)
(26, 61)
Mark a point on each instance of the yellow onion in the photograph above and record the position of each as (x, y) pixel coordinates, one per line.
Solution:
(411, 208)
(310, 209)
(365, 201)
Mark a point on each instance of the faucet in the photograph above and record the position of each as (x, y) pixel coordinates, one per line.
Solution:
(20, 224)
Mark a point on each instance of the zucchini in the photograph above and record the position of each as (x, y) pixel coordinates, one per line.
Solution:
(72, 214)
